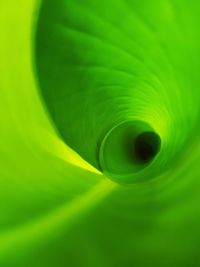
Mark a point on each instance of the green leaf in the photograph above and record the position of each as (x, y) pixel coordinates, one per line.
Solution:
(81, 82)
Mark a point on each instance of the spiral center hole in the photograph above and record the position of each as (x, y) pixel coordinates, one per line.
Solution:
(146, 146)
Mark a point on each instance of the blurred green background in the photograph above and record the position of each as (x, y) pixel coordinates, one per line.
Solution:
(74, 75)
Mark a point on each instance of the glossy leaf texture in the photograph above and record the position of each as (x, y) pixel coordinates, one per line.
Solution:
(77, 78)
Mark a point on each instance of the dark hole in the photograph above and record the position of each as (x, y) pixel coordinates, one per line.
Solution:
(146, 146)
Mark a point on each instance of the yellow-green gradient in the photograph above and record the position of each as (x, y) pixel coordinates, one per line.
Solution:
(80, 82)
